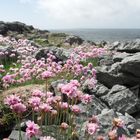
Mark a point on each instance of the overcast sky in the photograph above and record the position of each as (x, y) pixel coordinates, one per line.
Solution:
(60, 14)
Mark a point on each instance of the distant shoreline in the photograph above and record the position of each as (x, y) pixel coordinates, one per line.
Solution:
(97, 35)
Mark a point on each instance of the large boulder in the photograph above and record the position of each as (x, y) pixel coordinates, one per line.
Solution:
(74, 40)
(118, 57)
(125, 72)
(129, 46)
(14, 26)
(61, 54)
(122, 100)
(131, 65)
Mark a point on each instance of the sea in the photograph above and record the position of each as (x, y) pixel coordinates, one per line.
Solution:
(109, 35)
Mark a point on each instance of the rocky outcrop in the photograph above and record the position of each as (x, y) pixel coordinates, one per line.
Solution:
(129, 46)
(122, 100)
(74, 40)
(7, 54)
(61, 54)
(19, 27)
(125, 72)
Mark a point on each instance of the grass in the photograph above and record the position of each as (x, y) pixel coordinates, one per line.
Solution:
(94, 61)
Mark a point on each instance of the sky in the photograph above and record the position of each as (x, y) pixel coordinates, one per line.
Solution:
(67, 14)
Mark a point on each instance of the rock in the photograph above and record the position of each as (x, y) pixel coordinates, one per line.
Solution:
(95, 107)
(74, 40)
(131, 65)
(3, 28)
(53, 86)
(109, 79)
(114, 45)
(61, 54)
(5, 52)
(15, 135)
(101, 90)
(128, 46)
(129, 122)
(118, 57)
(122, 100)
(117, 88)
(125, 72)
(98, 91)
(105, 120)
(14, 26)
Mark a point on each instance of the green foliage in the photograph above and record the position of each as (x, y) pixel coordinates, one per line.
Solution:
(7, 119)
(94, 61)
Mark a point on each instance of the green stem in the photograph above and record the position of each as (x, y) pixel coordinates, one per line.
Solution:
(19, 127)
(33, 115)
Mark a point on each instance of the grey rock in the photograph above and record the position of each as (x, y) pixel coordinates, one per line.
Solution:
(131, 65)
(7, 51)
(53, 87)
(117, 88)
(74, 40)
(129, 122)
(126, 46)
(15, 135)
(122, 100)
(101, 90)
(61, 54)
(95, 107)
(105, 120)
(118, 57)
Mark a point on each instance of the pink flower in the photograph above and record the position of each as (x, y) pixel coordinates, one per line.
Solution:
(86, 98)
(18, 108)
(12, 99)
(64, 126)
(91, 128)
(32, 129)
(35, 102)
(45, 107)
(49, 94)
(7, 79)
(38, 93)
(63, 105)
(122, 138)
(69, 89)
(47, 74)
(75, 83)
(75, 109)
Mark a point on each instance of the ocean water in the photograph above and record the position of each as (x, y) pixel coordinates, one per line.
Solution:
(110, 35)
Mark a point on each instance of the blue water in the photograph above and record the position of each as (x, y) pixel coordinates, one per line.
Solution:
(110, 35)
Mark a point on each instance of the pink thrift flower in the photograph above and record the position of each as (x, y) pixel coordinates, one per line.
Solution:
(45, 107)
(18, 108)
(47, 74)
(35, 102)
(12, 99)
(38, 93)
(70, 90)
(86, 98)
(122, 138)
(91, 128)
(64, 126)
(75, 83)
(32, 129)
(75, 109)
(63, 105)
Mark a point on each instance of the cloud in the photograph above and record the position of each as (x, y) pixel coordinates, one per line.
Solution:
(89, 13)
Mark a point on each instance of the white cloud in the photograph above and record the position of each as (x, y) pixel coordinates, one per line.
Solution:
(89, 13)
